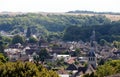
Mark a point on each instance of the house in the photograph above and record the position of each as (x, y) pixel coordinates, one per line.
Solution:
(50, 59)
(84, 70)
(29, 51)
(63, 73)
(17, 46)
(117, 53)
(58, 50)
(13, 54)
(65, 57)
(25, 54)
(71, 60)
(24, 58)
(82, 60)
(44, 45)
(72, 68)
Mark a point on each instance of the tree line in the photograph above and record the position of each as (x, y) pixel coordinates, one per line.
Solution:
(48, 23)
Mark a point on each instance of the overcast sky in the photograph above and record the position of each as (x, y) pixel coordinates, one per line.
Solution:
(59, 5)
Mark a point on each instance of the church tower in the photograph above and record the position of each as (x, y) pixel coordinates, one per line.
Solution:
(92, 60)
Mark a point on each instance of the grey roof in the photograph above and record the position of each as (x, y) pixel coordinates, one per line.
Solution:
(72, 67)
(84, 70)
(91, 53)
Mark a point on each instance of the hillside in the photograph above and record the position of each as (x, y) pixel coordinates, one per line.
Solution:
(113, 16)
(65, 26)
(48, 21)
(109, 15)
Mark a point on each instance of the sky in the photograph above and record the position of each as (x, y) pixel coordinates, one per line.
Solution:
(59, 5)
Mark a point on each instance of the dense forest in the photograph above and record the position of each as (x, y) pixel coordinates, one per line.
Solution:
(108, 32)
(61, 26)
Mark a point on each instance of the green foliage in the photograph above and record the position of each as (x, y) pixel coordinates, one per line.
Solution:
(106, 32)
(57, 64)
(18, 39)
(28, 34)
(116, 44)
(4, 42)
(60, 62)
(90, 75)
(86, 75)
(26, 69)
(33, 40)
(105, 70)
(66, 27)
(76, 52)
(92, 12)
(2, 58)
(3, 45)
(73, 33)
(103, 42)
(109, 68)
(43, 54)
(101, 61)
(55, 36)
(41, 24)
(5, 39)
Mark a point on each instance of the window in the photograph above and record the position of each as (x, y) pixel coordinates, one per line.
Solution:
(89, 59)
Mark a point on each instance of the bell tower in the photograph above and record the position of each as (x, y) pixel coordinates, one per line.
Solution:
(92, 60)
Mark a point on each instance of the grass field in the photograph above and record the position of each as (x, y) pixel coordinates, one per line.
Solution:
(110, 16)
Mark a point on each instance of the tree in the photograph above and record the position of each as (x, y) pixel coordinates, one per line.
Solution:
(101, 62)
(28, 34)
(77, 51)
(109, 68)
(60, 62)
(7, 39)
(36, 59)
(103, 42)
(43, 54)
(116, 44)
(25, 69)
(18, 39)
(105, 70)
(1, 46)
(33, 40)
(2, 58)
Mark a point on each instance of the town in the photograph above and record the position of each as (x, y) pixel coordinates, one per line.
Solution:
(68, 59)
(59, 38)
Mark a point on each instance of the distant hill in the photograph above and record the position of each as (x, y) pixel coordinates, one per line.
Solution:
(66, 26)
(114, 16)
(92, 12)
(53, 22)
